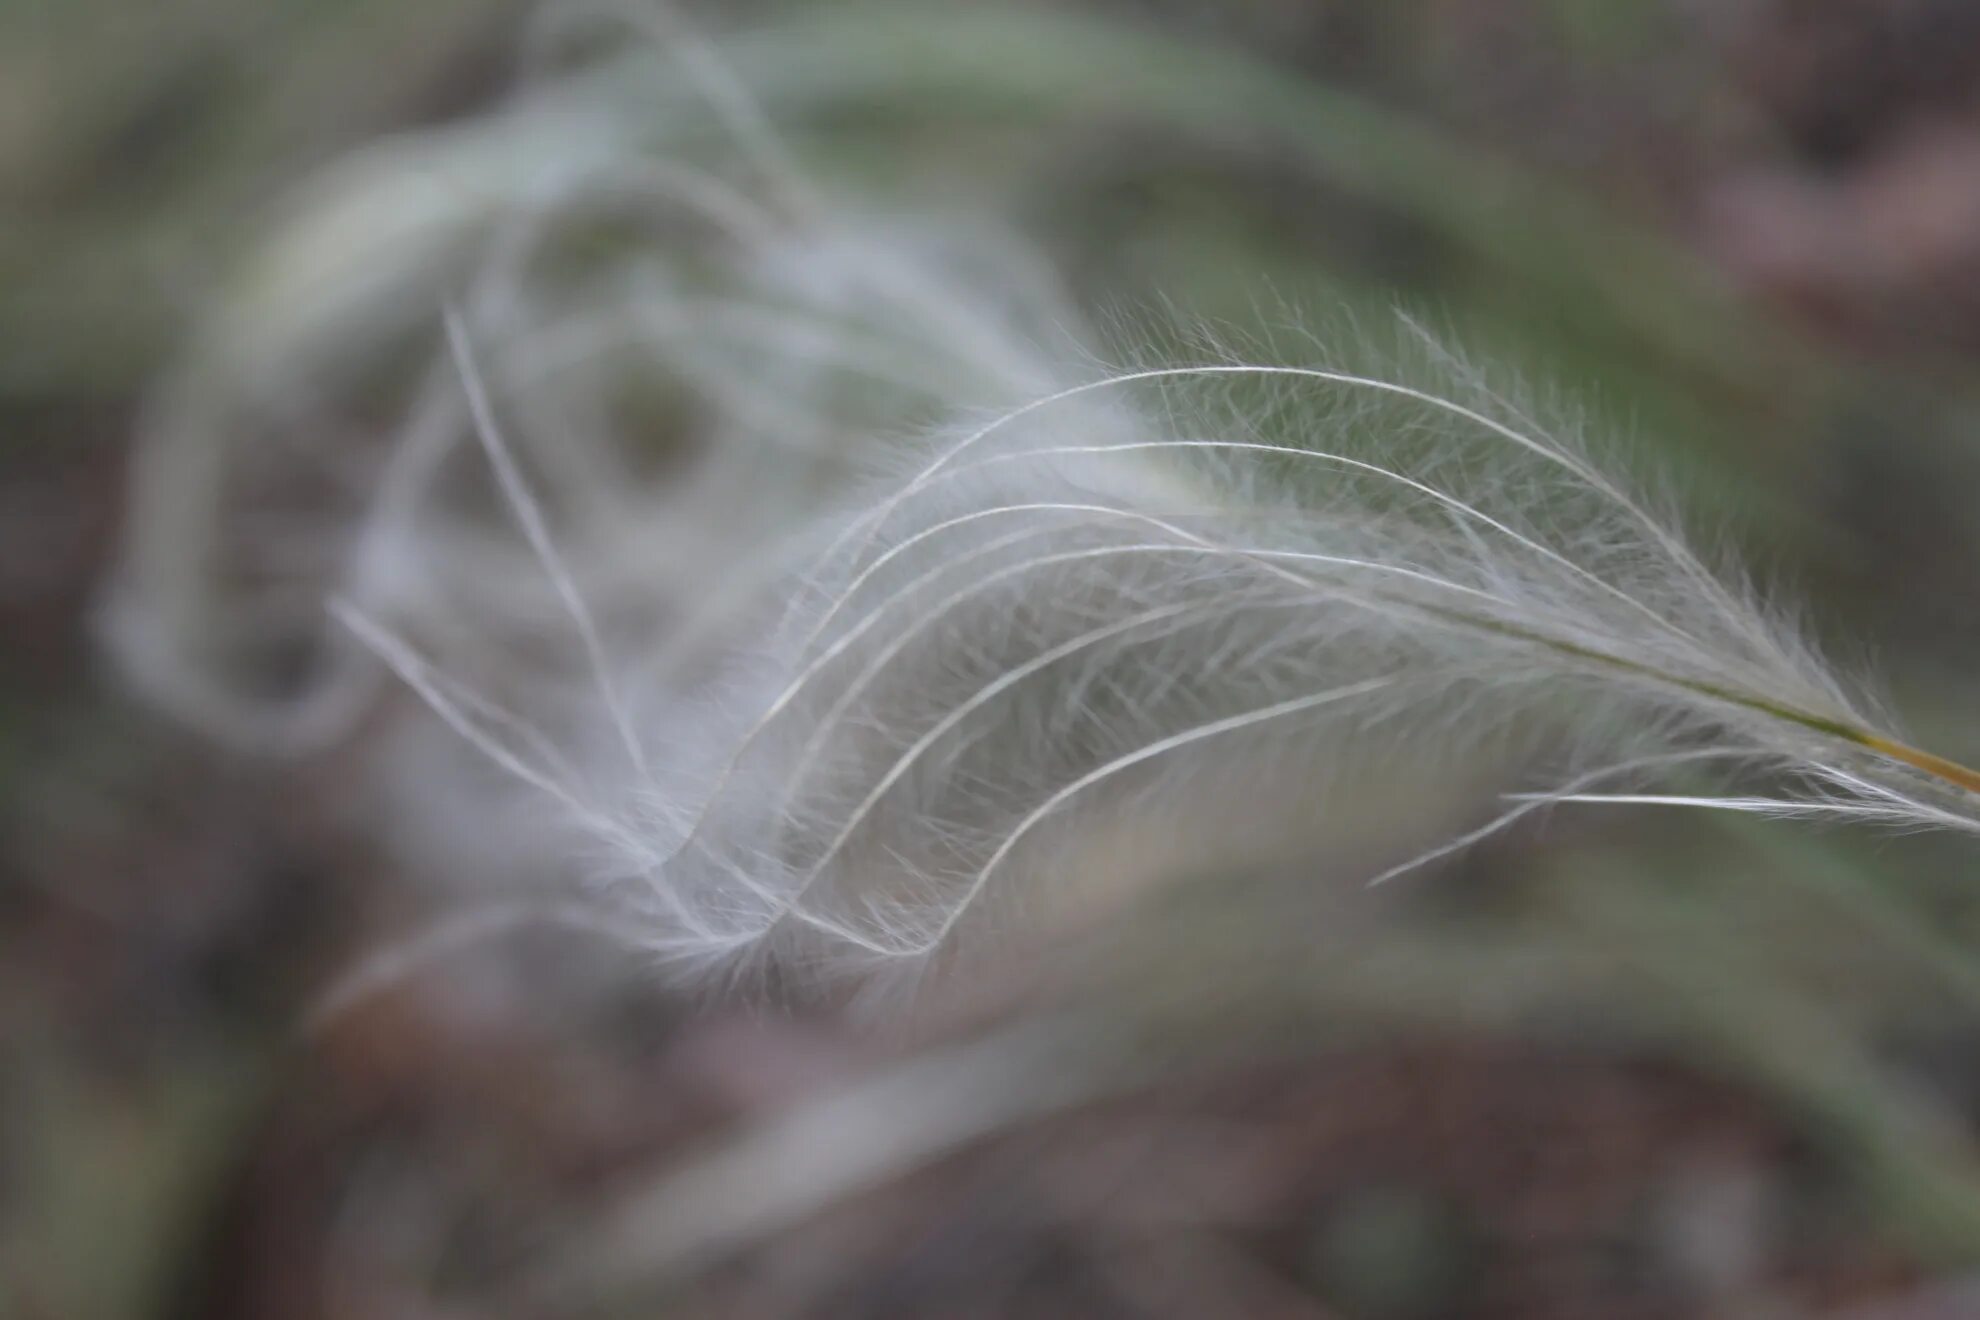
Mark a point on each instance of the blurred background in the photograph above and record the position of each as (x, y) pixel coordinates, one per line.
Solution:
(1619, 1065)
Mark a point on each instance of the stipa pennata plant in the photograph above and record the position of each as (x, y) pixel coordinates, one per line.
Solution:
(1087, 607)
(939, 602)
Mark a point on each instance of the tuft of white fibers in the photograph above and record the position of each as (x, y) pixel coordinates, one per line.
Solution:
(811, 595)
(1102, 604)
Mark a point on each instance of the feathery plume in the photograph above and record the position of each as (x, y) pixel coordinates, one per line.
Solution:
(1071, 611)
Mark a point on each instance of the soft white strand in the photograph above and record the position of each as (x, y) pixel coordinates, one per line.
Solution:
(931, 627)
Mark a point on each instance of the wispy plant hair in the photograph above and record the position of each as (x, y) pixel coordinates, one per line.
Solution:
(1093, 606)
